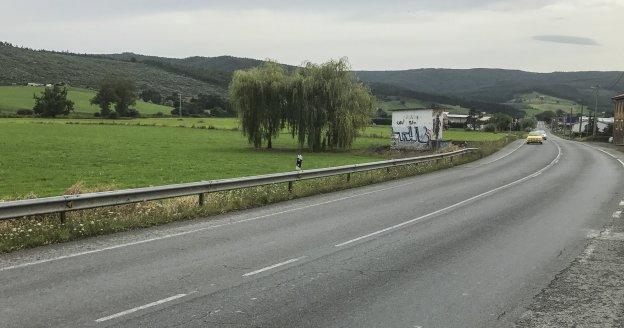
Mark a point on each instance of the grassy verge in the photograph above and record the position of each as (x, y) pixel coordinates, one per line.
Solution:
(43, 230)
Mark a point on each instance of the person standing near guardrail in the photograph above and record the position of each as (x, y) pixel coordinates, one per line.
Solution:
(299, 163)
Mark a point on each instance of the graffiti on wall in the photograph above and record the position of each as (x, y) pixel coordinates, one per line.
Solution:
(410, 128)
(412, 133)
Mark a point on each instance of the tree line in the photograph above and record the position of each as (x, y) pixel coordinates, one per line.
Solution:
(322, 106)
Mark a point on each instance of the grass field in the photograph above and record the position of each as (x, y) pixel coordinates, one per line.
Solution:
(48, 158)
(186, 122)
(13, 98)
(406, 103)
(536, 103)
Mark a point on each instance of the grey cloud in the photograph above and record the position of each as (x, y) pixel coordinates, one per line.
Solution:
(567, 39)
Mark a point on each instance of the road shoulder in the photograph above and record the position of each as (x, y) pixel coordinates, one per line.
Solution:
(590, 291)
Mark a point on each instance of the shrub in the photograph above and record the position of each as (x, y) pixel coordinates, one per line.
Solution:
(25, 112)
(159, 114)
(382, 121)
(489, 128)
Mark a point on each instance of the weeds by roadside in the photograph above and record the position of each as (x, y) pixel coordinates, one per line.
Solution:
(30, 232)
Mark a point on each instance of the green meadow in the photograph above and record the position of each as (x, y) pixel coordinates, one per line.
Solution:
(46, 159)
(13, 98)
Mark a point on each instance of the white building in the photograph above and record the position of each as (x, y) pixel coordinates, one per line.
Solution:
(601, 124)
(416, 128)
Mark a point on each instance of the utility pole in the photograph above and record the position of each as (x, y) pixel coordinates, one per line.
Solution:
(581, 122)
(180, 93)
(596, 88)
(570, 122)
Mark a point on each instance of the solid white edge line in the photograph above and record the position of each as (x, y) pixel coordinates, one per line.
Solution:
(139, 242)
(142, 307)
(606, 152)
(504, 156)
(554, 161)
(272, 266)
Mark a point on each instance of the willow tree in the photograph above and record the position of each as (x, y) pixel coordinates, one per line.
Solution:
(327, 105)
(259, 97)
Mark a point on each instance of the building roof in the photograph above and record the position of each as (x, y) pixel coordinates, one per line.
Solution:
(405, 109)
(618, 97)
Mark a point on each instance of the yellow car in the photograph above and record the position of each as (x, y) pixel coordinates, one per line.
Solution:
(535, 137)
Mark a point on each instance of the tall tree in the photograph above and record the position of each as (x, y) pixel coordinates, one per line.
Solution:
(118, 91)
(259, 97)
(53, 101)
(328, 105)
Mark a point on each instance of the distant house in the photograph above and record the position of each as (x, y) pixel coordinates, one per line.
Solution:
(618, 116)
(417, 128)
(580, 125)
(33, 84)
(457, 120)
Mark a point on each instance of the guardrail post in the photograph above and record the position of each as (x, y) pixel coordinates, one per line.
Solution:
(63, 217)
(201, 199)
(348, 177)
(290, 186)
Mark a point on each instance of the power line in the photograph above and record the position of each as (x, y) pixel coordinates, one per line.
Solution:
(616, 82)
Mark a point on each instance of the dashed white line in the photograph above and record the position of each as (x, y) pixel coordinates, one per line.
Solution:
(554, 161)
(272, 267)
(617, 214)
(142, 307)
(167, 236)
(178, 234)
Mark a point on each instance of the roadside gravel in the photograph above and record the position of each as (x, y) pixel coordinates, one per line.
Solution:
(589, 292)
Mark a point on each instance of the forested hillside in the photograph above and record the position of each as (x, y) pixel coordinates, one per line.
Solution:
(499, 85)
(21, 66)
(484, 89)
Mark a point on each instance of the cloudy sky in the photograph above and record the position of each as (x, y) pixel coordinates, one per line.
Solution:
(535, 35)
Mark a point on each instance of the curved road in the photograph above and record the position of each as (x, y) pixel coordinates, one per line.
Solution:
(464, 247)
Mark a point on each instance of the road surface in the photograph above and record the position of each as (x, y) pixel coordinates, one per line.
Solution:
(464, 247)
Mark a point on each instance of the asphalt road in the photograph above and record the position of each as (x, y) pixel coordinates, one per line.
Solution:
(464, 247)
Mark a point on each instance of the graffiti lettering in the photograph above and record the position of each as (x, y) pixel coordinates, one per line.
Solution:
(412, 133)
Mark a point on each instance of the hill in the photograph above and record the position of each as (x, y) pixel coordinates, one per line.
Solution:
(23, 65)
(13, 98)
(487, 88)
(534, 103)
(500, 85)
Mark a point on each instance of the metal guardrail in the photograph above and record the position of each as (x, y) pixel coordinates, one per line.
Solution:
(62, 204)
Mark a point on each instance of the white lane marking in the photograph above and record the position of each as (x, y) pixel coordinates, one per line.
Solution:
(142, 307)
(606, 152)
(272, 266)
(497, 159)
(167, 236)
(554, 161)
(617, 214)
(178, 234)
(622, 203)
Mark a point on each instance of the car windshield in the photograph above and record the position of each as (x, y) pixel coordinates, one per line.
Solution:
(535, 133)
